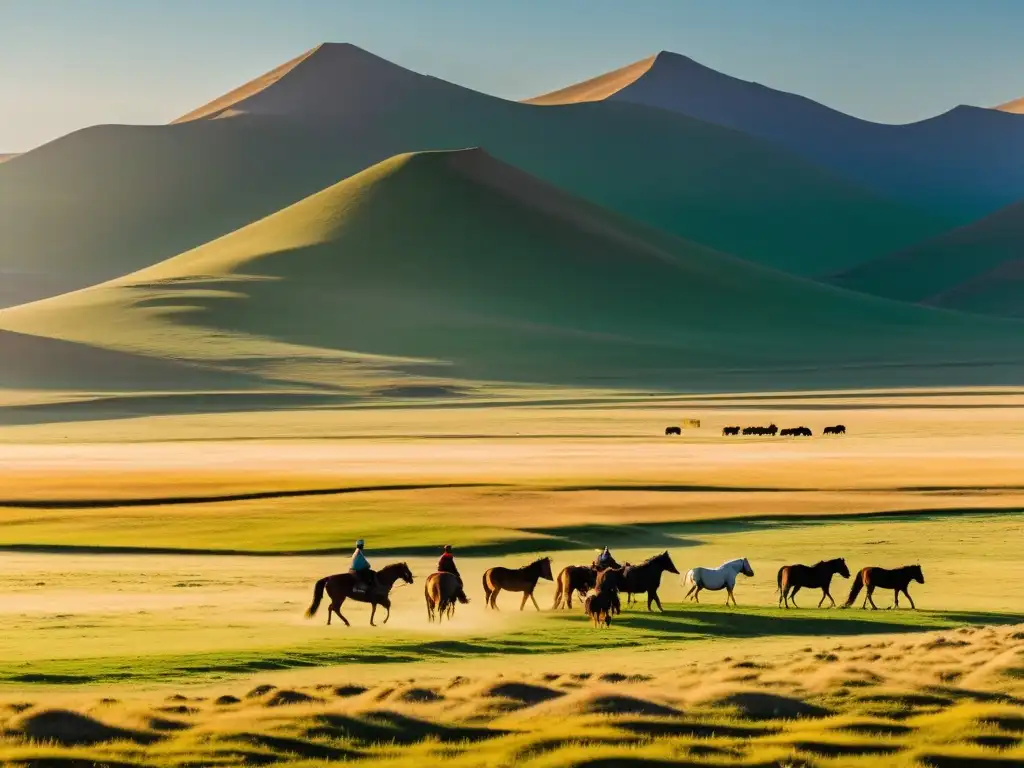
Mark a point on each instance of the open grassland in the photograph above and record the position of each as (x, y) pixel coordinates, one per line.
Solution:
(132, 637)
(951, 699)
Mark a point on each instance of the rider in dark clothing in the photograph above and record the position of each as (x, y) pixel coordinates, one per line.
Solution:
(446, 564)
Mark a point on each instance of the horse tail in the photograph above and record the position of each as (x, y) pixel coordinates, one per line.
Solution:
(318, 596)
(690, 578)
(487, 588)
(558, 593)
(778, 579)
(858, 585)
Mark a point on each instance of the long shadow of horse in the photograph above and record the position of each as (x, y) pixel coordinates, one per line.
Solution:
(741, 624)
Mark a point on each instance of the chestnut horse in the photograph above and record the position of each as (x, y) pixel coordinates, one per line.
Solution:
(573, 578)
(897, 580)
(442, 591)
(646, 577)
(518, 580)
(339, 587)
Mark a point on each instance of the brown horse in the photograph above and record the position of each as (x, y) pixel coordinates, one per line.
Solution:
(604, 603)
(573, 578)
(793, 578)
(339, 586)
(646, 577)
(519, 580)
(897, 580)
(442, 591)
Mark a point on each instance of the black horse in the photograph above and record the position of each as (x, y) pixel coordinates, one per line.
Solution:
(838, 429)
(673, 431)
(793, 578)
(646, 578)
(726, 431)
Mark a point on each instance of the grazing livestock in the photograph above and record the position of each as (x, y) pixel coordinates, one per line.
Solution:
(730, 431)
(771, 430)
(714, 579)
(792, 578)
(796, 432)
(838, 429)
(673, 431)
(897, 580)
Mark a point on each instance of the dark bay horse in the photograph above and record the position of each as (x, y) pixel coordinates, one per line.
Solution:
(442, 590)
(646, 577)
(573, 578)
(518, 580)
(339, 587)
(793, 578)
(604, 603)
(897, 580)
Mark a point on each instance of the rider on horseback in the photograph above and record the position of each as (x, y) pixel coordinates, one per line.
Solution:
(446, 564)
(360, 569)
(605, 560)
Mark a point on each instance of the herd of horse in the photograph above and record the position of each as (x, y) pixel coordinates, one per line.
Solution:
(772, 430)
(600, 587)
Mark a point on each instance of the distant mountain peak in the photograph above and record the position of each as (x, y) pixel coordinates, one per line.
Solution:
(329, 79)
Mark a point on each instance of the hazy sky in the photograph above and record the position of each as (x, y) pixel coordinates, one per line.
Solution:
(66, 64)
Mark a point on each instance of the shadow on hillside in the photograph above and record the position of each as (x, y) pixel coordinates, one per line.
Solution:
(739, 624)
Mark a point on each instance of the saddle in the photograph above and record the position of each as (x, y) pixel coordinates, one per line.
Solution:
(365, 581)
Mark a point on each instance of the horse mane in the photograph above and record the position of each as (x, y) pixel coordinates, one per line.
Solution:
(650, 560)
(535, 562)
(392, 566)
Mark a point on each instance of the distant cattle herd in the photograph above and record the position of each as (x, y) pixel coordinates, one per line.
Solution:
(770, 431)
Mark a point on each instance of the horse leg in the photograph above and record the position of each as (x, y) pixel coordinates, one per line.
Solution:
(729, 595)
(494, 597)
(558, 596)
(907, 593)
(824, 592)
(696, 594)
(657, 599)
(526, 596)
(534, 599)
(336, 607)
(828, 593)
(387, 607)
(896, 598)
(373, 612)
(871, 598)
(792, 596)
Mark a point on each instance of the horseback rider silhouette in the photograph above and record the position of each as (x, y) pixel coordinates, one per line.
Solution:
(605, 560)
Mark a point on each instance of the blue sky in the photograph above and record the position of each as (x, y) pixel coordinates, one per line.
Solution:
(66, 64)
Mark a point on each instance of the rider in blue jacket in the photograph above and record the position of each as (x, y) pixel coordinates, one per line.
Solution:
(360, 568)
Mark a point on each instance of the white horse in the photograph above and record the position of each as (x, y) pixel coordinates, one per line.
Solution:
(714, 579)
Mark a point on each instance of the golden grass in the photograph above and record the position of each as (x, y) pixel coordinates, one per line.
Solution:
(936, 698)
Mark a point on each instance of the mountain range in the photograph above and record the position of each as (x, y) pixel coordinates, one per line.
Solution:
(343, 225)
(111, 199)
(966, 162)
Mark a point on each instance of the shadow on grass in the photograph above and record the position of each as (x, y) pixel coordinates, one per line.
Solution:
(385, 727)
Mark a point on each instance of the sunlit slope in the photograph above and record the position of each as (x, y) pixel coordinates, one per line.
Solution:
(111, 199)
(454, 265)
(966, 162)
(974, 268)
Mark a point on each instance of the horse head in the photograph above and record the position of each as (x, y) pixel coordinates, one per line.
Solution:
(917, 574)
(399, 570)
(841, 568)
(666, 562)
(545, 568)
(747, 570)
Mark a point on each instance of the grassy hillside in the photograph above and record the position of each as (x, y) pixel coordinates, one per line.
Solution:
(973, 268)
(111, 199)
(445, 267)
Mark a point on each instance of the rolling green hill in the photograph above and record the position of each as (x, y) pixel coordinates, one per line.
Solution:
(976, 268)
(445, 267)
(111, 199)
